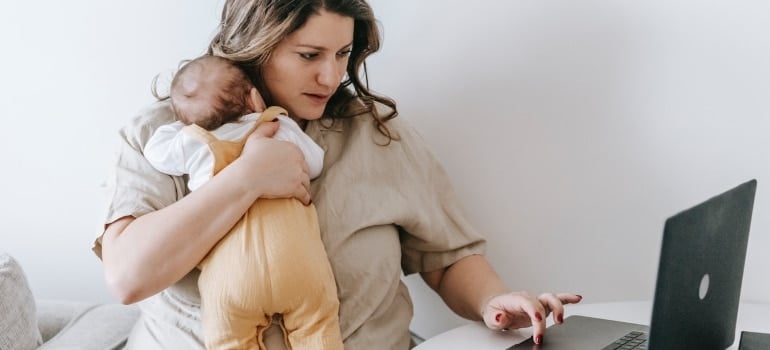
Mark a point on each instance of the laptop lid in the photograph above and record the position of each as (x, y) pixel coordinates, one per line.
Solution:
(700, 272)
(698, 285)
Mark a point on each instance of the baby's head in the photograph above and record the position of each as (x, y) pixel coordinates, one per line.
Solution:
(210, 91)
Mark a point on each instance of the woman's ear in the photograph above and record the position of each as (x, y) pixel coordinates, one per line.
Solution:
(256, 103)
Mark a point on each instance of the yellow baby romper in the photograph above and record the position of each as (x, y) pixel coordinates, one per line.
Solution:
(271, 262)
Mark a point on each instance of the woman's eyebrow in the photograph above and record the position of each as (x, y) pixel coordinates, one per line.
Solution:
(321, 48)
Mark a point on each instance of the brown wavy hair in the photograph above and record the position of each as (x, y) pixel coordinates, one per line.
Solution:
(249, 31)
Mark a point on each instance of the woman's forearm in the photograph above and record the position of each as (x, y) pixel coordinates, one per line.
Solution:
(145, 255)
(466, 285)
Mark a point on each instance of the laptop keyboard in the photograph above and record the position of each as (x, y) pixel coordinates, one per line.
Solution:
(632, 341)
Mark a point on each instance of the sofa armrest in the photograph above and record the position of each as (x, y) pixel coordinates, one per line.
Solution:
(84, 326)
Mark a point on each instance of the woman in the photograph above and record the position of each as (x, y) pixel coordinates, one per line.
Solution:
(384, 203)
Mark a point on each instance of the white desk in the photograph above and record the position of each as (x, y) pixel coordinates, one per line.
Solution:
(751, 317)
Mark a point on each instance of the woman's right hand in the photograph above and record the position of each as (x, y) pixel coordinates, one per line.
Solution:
(277, 169)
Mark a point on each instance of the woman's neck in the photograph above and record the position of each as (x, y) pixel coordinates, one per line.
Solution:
(301, 122)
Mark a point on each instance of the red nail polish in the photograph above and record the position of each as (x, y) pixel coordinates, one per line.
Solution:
(560, 318)
(539, 339)
(497, 317)
(538, 317)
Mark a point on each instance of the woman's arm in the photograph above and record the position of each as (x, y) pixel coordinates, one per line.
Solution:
(465, 285)
(472, 289)
(145, 255)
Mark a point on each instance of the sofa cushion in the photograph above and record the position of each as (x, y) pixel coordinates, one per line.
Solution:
(18, 324)
(82, 326)
(53, 316)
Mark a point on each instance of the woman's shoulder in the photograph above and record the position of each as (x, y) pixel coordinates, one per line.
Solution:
(402, 146)
(396, 126)
(396, 137)
(140, 128)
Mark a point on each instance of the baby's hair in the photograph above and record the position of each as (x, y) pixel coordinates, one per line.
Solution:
(210, 91)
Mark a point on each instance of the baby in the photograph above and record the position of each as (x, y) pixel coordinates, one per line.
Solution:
(273, 260)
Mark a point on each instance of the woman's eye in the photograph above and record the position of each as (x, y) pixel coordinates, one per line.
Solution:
(344, 53)
(308, 56)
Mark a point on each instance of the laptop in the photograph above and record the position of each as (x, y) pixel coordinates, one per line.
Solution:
(698, 288)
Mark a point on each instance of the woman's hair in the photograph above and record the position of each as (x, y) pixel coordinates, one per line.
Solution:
(250, 30)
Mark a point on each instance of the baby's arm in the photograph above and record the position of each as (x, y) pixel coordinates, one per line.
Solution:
(314, 154)
(165, 150)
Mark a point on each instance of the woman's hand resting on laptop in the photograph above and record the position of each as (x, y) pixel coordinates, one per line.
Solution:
(520, 309)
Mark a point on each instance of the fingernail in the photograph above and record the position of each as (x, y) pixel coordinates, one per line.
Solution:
(580, 296)
(560, 318)
(539, 339)
(497, 317)
(538, 316)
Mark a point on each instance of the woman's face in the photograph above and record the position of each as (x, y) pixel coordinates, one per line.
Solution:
(306, 67)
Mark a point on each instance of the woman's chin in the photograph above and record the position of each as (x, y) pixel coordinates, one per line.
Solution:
(311, 114)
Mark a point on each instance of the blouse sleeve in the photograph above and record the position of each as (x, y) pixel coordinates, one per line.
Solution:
(135, 188)
(434, 232)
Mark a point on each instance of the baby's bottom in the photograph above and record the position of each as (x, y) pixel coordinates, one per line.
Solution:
(271, 262)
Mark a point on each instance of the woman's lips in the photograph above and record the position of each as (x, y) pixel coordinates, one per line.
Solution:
(318, 98)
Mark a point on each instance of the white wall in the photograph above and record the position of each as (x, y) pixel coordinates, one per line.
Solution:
(571, 129)
(72, 73)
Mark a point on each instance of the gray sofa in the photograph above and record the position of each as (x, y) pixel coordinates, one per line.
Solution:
(28, 324)
(84, 326)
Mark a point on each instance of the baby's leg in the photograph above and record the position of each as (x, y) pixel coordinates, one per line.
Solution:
(230, 331)
(303, 290)
(233, 291)
(314, 324)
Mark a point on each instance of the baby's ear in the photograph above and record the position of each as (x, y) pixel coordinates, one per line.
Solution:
(256, 103)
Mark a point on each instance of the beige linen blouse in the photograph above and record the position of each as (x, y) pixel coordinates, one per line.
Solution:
(382, 209)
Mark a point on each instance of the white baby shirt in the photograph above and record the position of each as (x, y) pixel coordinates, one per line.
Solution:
(174, 152)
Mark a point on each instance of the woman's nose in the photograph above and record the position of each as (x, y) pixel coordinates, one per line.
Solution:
(330, 73)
